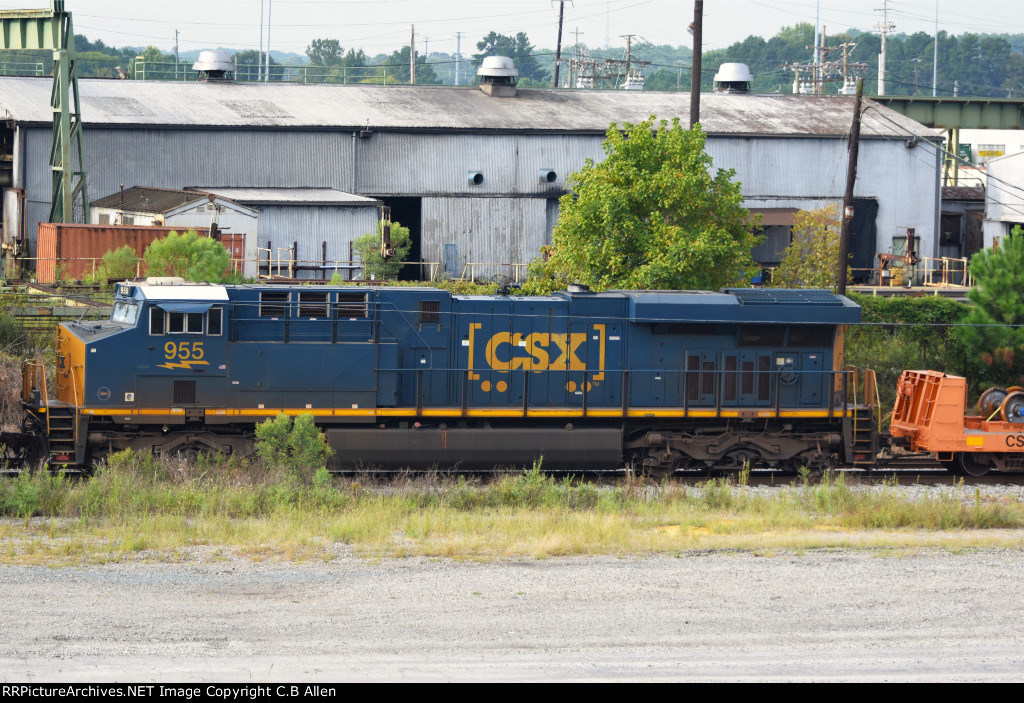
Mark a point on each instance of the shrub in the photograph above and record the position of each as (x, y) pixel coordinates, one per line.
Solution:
(297, 447)
(189, 256)
(118, 265)
(367, 248)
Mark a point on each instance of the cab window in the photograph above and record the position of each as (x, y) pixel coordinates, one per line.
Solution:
(184, 323)
(163, 322)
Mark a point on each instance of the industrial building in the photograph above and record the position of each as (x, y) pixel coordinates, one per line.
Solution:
(475, 176)
(1004, 195)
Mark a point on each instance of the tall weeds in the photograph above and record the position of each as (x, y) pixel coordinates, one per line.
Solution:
(154, 503)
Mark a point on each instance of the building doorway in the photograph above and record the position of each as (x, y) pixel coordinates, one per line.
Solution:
(408, 213)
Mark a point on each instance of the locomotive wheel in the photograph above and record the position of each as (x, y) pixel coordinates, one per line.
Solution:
(974, 464)
(990, 401)
(1012, 408)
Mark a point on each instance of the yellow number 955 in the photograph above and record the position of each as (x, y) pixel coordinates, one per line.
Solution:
(183, 350)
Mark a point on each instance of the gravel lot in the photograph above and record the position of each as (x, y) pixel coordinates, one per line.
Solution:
(813, 616)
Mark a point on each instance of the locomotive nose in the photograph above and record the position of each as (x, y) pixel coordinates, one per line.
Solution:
(68, 373)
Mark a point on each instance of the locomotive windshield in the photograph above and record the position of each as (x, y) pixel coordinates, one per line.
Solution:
(125, 312)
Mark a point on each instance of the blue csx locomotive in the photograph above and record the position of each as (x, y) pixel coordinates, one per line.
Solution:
(655, 381)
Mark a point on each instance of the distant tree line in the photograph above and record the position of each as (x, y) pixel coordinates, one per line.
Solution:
(982, 65)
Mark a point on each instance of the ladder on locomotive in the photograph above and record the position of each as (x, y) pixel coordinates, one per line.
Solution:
(61, 419)
(864, 416)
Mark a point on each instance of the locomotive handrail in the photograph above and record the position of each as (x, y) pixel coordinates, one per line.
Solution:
(835, 393)
(74, 422)
(29, 371)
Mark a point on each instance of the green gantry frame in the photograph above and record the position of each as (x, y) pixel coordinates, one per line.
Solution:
(52, 29)
(954, 114)
(958, 113)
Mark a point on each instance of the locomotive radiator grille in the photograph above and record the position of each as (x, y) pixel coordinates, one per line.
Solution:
(184, 392)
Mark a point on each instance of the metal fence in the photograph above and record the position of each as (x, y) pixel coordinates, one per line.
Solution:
(143, 70)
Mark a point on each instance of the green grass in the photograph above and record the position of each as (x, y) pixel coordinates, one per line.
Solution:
(141, 508)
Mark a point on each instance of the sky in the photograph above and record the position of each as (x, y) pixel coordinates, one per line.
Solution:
(381, 26)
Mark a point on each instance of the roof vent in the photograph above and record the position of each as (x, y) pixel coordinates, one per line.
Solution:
(498, 76)
(215, 66)
(733, 78)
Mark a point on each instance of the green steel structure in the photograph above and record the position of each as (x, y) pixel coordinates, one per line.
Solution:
(958, 113)
(954, 114)
(52, 29)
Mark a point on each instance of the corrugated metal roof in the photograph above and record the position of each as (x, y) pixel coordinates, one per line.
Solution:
(963, 193)
(160, 103)
(286, 196)
(145, 199)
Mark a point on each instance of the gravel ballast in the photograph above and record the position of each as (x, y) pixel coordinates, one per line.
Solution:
(817, 615)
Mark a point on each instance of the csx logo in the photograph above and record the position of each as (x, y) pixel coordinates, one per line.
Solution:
(1015, 440)
(539, 351)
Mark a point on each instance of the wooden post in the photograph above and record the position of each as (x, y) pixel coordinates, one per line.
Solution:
(851, 178)
(698, 14)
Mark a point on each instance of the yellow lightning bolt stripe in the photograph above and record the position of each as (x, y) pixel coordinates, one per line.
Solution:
(182, 364)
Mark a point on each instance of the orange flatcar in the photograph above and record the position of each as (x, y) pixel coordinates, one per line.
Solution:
(930, 414)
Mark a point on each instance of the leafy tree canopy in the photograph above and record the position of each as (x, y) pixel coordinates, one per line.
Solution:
(519, 49)
(190, 256)
(396, 67)
(996, 339)
(325, 52)
(812, 257)
(652, 215)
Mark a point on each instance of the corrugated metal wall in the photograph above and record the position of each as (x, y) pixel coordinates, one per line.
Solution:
(485, 231)
(806, 173)
(309, 226)
(182, 158)
(775, 172)
(392, 163)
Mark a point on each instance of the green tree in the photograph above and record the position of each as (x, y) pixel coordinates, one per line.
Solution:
(189, 256)
(367, 248)
(663, 79)
(812, 257)
(519, 49)
(396, 67)
(248, 64)
(325, 52)
(651, 215)
(994, 335)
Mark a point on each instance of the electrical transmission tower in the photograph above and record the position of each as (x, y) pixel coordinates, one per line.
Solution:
(52, 29)
(588, 72)
(810, 78)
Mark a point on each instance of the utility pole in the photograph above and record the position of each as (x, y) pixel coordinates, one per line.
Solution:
(266, 71)
(558, 48)
(698, 17)
(412, 54)
(917, 65)
(885, 27)
(935, 60)
(458, 55)
(176, 59)
(259, 61)
(819, 77)
(851, 178)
